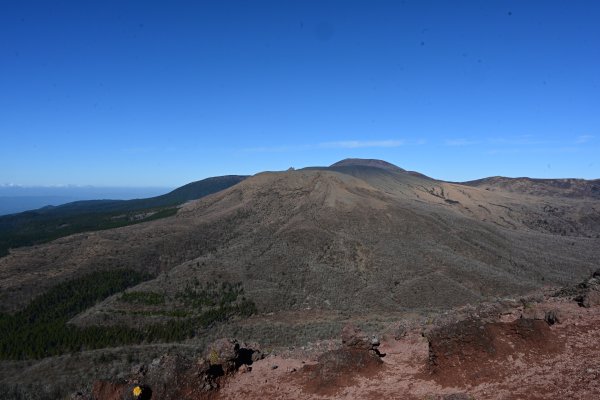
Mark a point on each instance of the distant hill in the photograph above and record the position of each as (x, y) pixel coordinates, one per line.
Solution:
(52, 222)
(541, 187)
(191, 191)
(17, 204)
(15, 198)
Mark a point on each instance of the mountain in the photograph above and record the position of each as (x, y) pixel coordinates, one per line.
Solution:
(285, 259)
(52, 222)
(348, 237)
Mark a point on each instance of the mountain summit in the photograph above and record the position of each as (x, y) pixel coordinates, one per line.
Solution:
(366, 162)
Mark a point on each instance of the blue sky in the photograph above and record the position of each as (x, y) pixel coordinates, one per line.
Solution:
(124, 93)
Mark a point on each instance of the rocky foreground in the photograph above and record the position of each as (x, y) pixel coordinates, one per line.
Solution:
(544, 346)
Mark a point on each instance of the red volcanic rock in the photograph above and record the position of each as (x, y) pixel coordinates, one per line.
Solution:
(353, 336)
(467, 350)
(499, 356)
(336, 369)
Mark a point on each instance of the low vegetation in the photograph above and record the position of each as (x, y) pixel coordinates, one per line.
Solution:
(210, 294)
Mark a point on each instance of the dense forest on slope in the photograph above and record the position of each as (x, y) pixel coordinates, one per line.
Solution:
(42, 329)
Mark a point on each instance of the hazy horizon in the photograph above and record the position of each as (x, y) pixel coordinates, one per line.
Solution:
(14, 199)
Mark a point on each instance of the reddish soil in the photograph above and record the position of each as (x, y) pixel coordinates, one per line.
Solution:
(510, 358)
(109, 390)
(337, 369)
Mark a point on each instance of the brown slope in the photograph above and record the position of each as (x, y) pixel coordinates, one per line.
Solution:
(321, 239)
(554, 213)
(568, 207)
(573, 188)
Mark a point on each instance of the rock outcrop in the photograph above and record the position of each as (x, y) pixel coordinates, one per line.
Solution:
(590, 291)
(467, 350)
(335, 369)
(229, 355)
(175, 377)
(354, 338)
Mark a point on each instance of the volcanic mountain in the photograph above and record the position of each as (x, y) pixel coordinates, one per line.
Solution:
(360, 235)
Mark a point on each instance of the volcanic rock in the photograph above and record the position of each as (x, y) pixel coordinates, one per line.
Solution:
(171, 377)
(533, 313)
(229, 354)
(591, 298)
(589, 291)
(353, 337)
(554, 316)
(465, 351)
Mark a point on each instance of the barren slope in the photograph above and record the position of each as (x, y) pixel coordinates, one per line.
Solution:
(346, 238)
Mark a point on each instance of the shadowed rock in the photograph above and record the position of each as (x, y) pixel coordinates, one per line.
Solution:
(174, 377)
(589, 289)
(553, 317)
(229, 355)
(354, 338)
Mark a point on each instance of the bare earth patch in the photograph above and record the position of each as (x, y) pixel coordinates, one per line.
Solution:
(511, 358)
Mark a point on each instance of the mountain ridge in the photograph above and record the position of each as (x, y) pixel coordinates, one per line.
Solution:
(570, 187)
(52, 222)
(286, 258)
(315, 231)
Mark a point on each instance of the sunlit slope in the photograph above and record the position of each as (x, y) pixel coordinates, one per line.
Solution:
(348, 238)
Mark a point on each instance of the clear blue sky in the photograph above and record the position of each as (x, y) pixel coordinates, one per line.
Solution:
(155, 93)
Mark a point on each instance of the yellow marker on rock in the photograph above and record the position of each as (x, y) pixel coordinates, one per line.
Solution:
(137, 391)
